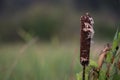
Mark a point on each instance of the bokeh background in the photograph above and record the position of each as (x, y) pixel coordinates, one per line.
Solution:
(39, 39)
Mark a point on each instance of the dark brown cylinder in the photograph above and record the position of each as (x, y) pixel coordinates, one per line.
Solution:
(86, 31)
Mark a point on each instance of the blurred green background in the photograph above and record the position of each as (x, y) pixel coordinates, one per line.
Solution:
(39, 39)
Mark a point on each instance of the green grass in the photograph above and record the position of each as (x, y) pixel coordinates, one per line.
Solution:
(39, 62)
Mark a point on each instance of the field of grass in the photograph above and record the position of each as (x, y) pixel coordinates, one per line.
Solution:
(39, 61)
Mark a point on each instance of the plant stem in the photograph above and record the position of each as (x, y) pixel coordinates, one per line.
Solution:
(83, 73)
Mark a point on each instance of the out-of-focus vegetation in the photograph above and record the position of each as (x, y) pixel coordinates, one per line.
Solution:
(60, 18)
(38, 62)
